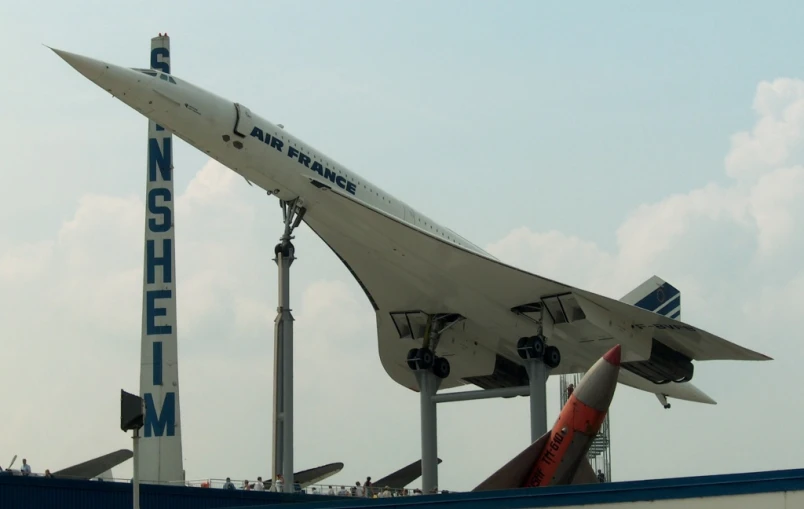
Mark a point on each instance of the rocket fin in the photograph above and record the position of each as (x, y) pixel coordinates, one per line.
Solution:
(514, 473)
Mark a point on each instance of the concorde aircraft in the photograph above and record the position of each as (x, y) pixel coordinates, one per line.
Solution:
(439, 299)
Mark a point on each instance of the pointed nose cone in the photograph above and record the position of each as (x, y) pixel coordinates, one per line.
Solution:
(596, 388)
(613, 356)
(132, 87)
(89, 67)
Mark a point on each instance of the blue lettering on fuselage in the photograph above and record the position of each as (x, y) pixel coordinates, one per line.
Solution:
(306, 161)
(160, 416)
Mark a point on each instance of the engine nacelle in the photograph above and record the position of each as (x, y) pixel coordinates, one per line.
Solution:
(664, 366)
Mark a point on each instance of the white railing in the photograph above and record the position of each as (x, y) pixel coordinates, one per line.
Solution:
(313, 489)
(240, 485)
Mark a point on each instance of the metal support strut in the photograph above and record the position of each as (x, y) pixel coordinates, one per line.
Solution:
(282, 450)
(428, 386)
(537, 381)
(539, 359)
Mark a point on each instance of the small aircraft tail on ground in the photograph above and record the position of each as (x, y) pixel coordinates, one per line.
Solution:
(95, 467)
(317, 474)
(402, 477)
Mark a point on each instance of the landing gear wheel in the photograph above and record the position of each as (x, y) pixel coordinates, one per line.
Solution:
(536, 344)
(420, 358)
(667, 406)
(285, 248)
(530, 347)
(552, 357)
(426, 358)
(413, 357)
(522, 347)
(441, 367)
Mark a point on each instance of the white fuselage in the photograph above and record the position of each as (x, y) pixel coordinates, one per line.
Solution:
(269, 156)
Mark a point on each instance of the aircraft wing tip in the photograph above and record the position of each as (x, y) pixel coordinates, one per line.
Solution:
(756, 356)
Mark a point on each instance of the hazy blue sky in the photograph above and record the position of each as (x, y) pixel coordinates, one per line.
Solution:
(594, 144)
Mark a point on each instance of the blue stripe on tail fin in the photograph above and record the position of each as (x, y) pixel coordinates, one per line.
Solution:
(658, 296)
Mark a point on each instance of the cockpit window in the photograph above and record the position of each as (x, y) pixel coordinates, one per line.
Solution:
(162, 76)
(165, 77)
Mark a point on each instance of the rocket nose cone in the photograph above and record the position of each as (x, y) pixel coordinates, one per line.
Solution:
(613, 356)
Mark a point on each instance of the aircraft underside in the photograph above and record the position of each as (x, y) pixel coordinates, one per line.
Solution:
(473, 337)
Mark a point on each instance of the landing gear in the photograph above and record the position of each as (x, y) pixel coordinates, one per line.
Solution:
(552, 357)
(534, 348)
(430, 370)
(441, 367)
(531, 347)
(423, 359)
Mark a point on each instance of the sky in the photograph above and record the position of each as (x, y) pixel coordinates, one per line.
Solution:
(595, 145)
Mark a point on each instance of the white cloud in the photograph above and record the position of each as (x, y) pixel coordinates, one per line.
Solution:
(71, 313)
(777, 205)
(777, 137)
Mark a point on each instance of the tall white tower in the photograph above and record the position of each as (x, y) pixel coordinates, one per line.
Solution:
(160, 448)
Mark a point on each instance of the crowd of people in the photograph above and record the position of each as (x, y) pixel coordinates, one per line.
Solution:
(366, 489)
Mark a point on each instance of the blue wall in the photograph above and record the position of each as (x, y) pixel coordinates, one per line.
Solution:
(618, 492)
(36, 492)
(39, 492)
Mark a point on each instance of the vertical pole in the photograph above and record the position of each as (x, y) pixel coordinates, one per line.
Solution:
(537, 379)
(278, 436)
(428, 386)
(136, 480)
(285, 259)
(283, 352)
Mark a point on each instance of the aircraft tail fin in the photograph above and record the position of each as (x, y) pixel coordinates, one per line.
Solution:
(317, 474)
(96, 466)
(106, 476)
(402, 477)
(658, 296)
